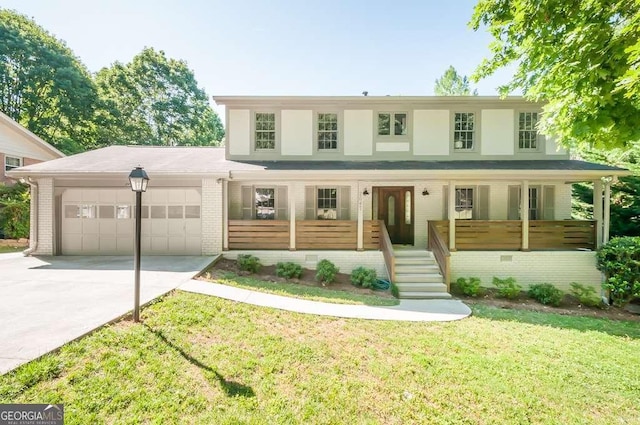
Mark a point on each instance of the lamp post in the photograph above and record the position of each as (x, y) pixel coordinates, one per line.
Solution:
(139, 180)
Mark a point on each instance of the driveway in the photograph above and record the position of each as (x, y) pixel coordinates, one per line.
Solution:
(46, 302)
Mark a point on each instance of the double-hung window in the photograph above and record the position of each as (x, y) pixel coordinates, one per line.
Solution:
(392, 124)
(265, 204)
(265, 131)
(464, 203)
(463, 131)
(327, 201)
(327, 131)
(527, 131)
(11, 162)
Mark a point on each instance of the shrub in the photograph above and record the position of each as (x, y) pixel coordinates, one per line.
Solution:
(586, 295)
(249, 263)
(469, 286)
(14, 211)
(364, 277)
(394, 290)
(326, 272)
(507, 288)
(546, 293)
(289, 270)
(619, 260)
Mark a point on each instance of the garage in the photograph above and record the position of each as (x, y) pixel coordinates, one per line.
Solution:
(102, 221)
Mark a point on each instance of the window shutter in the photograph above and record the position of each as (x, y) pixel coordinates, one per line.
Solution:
(481, 211)
(548, 202)
(282, 203)
(345, 203)
(310, 203)
(445, 202)
(514, 203)
(247, 202)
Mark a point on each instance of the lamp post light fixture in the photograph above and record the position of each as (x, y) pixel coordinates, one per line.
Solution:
(139, 181)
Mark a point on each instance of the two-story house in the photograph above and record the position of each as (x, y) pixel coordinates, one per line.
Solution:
(423, 189)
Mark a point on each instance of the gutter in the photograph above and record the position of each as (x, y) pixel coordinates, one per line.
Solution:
(33, 219)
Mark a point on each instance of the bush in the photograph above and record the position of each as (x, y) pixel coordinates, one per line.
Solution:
(289, 270)
(249, 263)
(394, 290)
(586, 295)
(507, 288)
(14, 211)
(326, 272)
(546, 293)
(364, 277)
(470, 287)
(619, 260)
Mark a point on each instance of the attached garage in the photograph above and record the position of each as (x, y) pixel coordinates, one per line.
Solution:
(97, 221)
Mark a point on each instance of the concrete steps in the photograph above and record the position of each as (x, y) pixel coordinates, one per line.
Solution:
(418, 275)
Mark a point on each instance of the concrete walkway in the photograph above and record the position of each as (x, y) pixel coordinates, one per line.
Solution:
(407, 310)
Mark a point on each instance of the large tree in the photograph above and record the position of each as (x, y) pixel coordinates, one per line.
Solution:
(43, 85)
(581, 57)
(453, 84)
(154, 100)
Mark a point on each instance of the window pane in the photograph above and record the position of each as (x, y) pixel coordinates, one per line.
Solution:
(384, 124)
(327, 202)
(463, 130)
(327, 131)
(145, 211)
(71, 211)
(88, 211)
(400, 128)
(265, 204)
(176, 211)
(158, 211)
(192, 211)
(391, 210)
(123, 211)
(106, 211)
(407, 207)
(464, 203)
(527, 130)
(10, 163)
(265, 130)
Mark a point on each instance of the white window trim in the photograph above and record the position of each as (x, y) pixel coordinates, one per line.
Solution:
(276, 115)
(340, 118)
(254, 208)
(392, 136)
(539, 138)
(476, 131)
(473, 200)
(9, 167)
(336, 209)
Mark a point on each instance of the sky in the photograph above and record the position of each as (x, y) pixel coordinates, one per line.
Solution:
(278, 47)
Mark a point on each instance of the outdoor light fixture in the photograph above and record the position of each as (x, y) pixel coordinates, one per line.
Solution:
(425, 192)
(366, 192)
(139, 180)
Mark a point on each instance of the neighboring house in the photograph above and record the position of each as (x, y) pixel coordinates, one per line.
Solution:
(384, 182)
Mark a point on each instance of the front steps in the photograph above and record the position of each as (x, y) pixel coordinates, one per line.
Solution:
(418, 275)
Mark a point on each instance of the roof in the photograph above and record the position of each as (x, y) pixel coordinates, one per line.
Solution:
(195, 161)
(31, 136)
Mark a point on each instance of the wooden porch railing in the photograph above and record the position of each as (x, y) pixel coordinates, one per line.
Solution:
(258, 234)
(326, 234)
(439, 247)
(480, 235)
(387, 251)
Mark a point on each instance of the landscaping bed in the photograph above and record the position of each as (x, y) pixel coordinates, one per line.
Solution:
(13, 245)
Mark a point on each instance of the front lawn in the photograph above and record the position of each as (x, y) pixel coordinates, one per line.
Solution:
(199, 359)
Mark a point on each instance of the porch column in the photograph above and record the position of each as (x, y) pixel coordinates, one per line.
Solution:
(607, 211)
(452, 215)
(524, 214)
(360, 243)
(292, 218)
(597, 210)
(225, 215)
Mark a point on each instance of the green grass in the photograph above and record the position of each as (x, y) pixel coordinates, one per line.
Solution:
(302, 291)
(199, 359)
(5, 249)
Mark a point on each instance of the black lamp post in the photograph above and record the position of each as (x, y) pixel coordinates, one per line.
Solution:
(139, 180)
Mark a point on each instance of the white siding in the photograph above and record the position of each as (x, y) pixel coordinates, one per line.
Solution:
(552, 147)
(16, 144)
(497, 132)
(297, 132)
(431, 132)
(358, 132)
(392, 147)
(239, 132)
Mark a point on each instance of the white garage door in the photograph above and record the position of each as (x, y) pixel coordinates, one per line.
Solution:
(101, 222)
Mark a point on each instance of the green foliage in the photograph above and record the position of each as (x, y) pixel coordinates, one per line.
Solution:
(579, 56)
(249, 263)
(507, 288)
(155, 100)
(394, 290)
(585, 294)
(364, 277)
(546, 293)
(453, 84)
(470, 287)
(619, 260)
(326, 272)
(14, 210)
(289, 270)
(43, 85)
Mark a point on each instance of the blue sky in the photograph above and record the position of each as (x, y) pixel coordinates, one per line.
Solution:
(277, 47)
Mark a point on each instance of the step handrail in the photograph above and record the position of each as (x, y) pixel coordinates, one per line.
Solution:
(387, 251)
(438, 246)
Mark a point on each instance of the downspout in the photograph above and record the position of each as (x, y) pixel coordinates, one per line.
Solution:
(33, 219)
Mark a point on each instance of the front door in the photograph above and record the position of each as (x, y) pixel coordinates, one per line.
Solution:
(395, 208)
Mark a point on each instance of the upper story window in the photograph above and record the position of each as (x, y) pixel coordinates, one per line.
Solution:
(527, 132)
(327, 201)
(11, 162)
(395, 122)
(265, 130)
(265, 203)
(463, 130)
(327, 131)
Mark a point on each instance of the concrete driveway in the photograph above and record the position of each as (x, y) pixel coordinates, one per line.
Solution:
(46, 302)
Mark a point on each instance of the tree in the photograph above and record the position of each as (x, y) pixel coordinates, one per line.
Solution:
(43, 86)
(581, 57)
(453, 84)
(154, 100)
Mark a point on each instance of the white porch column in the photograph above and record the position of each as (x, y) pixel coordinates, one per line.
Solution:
(225, 215)
(360, 229)
(524, 214)
(452, 215)
(292, 218)
(607, 211)
(597, 210)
